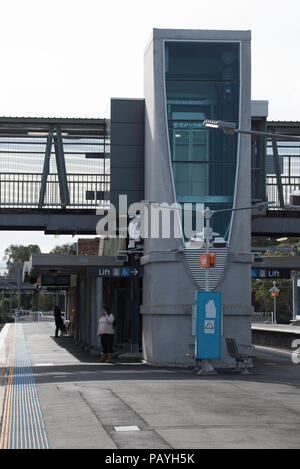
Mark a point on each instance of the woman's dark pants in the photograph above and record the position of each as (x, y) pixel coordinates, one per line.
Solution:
(107, 343)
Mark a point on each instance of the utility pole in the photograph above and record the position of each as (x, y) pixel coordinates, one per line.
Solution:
(274, 292)
(206, 365)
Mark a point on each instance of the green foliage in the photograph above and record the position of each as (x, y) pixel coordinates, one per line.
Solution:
(62, 249)
(262, 242)
(264, 302)
(261, 298)
(18, 254)
(47, 302)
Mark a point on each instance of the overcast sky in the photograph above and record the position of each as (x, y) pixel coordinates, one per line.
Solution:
(66, 58)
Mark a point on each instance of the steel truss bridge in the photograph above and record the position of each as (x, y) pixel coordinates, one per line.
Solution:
(275, 176)
(55, 170)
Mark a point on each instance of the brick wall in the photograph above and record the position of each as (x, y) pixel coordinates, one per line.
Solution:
(87, 246)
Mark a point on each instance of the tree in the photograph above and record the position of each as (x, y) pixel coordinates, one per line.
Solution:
(62, 249)
(261, 298)
(18, 254)
(47, 301)
(263, 302)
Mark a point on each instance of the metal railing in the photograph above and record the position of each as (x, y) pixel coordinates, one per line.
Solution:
(22, 190)
(289, 185)
(262, 317)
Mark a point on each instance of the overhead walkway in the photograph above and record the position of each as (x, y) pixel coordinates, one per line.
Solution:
(57, 170)
(280, 176)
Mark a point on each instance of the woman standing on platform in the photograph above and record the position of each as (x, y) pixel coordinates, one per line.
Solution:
(106, 333)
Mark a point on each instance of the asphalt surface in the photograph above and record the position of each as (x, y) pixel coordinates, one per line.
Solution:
(84, 403)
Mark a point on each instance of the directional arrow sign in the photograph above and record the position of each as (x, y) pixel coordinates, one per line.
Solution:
(111, 271)
(269, 273)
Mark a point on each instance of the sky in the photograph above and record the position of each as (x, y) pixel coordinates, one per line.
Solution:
(67, 58)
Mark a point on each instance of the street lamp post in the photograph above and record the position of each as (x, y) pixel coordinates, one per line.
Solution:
(206, 365)
(207, 215)
(230, 129)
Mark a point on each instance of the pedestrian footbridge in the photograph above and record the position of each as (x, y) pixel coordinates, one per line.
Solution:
(60, 170)
(53, 169)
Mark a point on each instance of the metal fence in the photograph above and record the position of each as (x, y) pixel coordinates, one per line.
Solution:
(289, 185)
(22, 190)
(264, 317)
(52, 163)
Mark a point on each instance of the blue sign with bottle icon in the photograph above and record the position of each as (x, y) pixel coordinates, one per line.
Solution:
(208, 326)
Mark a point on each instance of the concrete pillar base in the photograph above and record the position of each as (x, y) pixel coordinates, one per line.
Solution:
(206, 369)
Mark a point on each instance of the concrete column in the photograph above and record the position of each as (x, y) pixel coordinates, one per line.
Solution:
(99, 301)
(168, 284)
(135, 314)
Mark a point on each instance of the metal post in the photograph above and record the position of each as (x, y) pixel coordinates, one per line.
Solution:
(38, 304)
(295, 287)
(61, 169)
(135, 290)
(57, 298)
(19, 287)
(207, 214)
(274, 292)
(10, 305)
(277, 172)
(45, 169)
(206, 366)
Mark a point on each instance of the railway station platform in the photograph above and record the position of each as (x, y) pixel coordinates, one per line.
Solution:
(54, 395)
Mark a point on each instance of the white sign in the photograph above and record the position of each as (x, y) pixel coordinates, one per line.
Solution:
(210, 309)
(209, 327)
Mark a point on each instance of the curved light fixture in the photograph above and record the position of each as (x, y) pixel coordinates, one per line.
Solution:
(227, 127)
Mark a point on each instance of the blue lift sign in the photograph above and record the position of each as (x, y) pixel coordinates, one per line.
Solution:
(270, 273)
(111, 271)
(208, 325)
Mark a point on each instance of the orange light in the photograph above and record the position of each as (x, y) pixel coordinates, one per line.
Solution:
(204, 260)
(207, 260)
(213, 259)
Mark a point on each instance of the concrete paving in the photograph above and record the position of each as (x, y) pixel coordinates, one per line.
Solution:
(83, 401)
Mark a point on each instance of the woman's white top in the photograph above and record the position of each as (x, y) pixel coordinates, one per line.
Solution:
(105, 325)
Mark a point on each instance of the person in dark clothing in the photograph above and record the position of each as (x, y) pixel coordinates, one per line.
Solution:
(59, 323)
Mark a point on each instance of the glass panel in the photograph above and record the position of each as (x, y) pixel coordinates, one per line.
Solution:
(190, 145)
(202, 179)
(202, 82)
(199, 100)
(203, 61)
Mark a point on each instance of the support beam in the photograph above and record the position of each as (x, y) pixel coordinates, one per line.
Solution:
(61, 168)
(51, 221)
(277, 172)
(295, 286)
(135, 314)
(46, 169)
(277, 223)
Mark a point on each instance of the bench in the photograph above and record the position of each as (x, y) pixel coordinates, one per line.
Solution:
(244, 358)
(296, 321)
